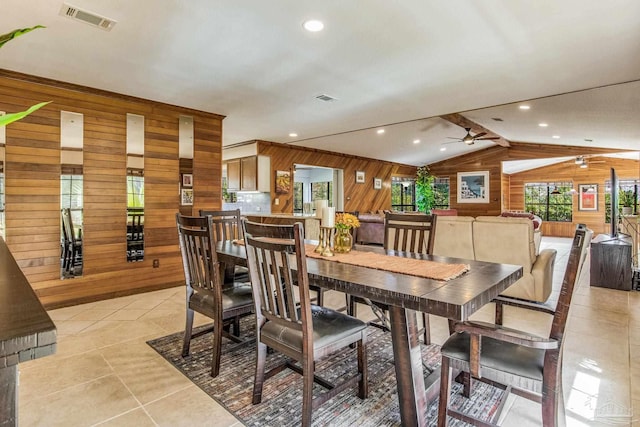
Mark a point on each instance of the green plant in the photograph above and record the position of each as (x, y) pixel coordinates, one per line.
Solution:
(425, 197)
(627, 198)
(12, 117)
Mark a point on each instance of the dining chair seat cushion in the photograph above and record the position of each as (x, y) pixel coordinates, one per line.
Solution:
(503, 356)
(329, 327)
(239, 295)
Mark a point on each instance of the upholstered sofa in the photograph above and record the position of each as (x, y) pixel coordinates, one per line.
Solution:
(499, 239)
(371, 228)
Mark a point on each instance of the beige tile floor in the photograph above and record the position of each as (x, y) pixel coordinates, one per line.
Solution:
(104, 373)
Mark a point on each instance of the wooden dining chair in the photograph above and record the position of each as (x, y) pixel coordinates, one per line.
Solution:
(204, 288)
(303, 332)
(527, 365)
(227, 226)
(409, 233)
(135, 234)
(72, 251)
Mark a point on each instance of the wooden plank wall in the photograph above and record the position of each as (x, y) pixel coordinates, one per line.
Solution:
(597, 173)
(33, 187)
(490, 159)
(357, 197)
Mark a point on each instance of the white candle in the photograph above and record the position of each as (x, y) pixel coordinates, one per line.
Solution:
(320, 204)
(329, 217)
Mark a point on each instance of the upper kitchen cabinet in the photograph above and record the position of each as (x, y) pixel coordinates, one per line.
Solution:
(249, 174)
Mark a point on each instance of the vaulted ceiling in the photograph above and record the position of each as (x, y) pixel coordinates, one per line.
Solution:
(393, 65)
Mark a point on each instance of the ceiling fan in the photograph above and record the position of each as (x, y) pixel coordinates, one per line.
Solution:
(471, 139)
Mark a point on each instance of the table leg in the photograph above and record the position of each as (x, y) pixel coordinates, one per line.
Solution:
(9, 396)
(408, 361)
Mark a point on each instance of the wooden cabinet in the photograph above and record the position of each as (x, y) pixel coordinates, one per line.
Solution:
(611, 262)
(249, 174)
(233, 175)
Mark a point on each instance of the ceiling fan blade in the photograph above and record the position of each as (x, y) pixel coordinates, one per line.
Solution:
(451, 142)
(488, 137)
(479, 135)
(451, 137)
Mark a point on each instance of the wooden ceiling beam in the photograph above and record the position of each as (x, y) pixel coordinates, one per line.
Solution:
(463, 122)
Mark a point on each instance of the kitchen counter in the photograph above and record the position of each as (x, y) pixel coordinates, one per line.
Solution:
(311, 223)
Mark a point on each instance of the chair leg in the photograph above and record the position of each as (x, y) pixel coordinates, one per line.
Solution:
(426, 335)
(187, 333)
(217, 347)
(320, 297)
(363, 385)
(499, 313)
(466, 384)
(550, 394)
(261, 356)
(445, 384)
(307, 390)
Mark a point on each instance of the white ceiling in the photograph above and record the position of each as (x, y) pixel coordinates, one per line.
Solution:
(389, 64)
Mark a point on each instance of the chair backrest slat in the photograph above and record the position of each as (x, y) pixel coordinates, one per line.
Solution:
(226, 224)
(277, 264)
(577, 256)
(409, 232)
(199, 258)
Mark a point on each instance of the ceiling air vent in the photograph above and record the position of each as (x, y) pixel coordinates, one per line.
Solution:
(326, 98)
(87, 17)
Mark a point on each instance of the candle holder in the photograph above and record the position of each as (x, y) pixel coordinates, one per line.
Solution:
(327, 235)
(320, 248)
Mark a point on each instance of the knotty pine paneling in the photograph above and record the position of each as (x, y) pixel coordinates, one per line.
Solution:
(598, 172)
(32, 171)
(357, 197)
(490, 159)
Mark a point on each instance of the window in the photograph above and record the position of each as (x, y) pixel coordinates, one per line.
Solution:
(403, 194)
(628, 196)
(551, 201)
(2, 200)
(135, 188)
(441, 193)
(298, 197)
(71, 190)
(322, 191)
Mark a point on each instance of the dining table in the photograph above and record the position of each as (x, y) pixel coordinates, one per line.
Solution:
(405, 294)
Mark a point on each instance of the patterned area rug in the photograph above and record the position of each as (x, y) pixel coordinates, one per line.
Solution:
(281, 402)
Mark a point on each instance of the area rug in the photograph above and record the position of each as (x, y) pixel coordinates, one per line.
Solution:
(281, 402)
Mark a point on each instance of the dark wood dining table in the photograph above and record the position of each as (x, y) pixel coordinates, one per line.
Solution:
(455, 300)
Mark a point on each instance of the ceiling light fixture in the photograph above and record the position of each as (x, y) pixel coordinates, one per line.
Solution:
(579, 160)
(524, 107)
(555, 191)
(555, 136)
(543, 125)
(293, 134)
(416, 141)
(313, 25)
(443, 148)
(584, 165)
(380, 131)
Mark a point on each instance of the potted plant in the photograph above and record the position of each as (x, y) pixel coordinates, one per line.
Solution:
(425, 196)
(627, 200)
(12, 117)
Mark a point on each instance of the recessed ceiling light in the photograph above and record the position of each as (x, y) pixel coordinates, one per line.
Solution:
(524, 107)
(543, 125)
(588, 140)
(556, 137)
(416, 141)
(313, 25)
(380, 131)
(443, 148)
(293, 134)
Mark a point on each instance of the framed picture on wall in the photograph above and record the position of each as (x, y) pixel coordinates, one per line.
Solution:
(360, 177)
(588, 197)
(283, 182)
(377, 183)
(186, 198)
(187, 180)
(473, 187)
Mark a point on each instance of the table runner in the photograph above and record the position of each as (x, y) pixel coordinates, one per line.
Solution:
(411, 266)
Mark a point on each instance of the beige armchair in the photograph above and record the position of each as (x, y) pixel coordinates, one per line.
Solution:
(503, 240)
(511, 241)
